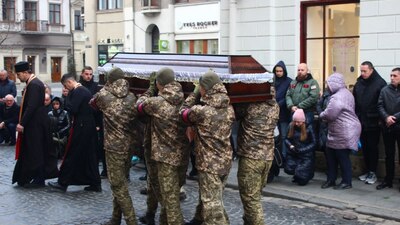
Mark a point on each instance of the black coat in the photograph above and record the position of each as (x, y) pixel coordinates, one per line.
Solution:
(389, 105)
(80, 165)
(366, 93)
(36, 152)
(300, 163)
(281, 86)
(9, 115)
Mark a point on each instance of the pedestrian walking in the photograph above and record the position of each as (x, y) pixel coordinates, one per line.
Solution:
(118, 106)
(256, 153)
(79, 165)
(212, 117)
(301, 144)
(366, 93)
(389, 111)
(36, 160)
(344, 130)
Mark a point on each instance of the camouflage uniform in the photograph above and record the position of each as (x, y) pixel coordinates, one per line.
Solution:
(212, 122)
(117, 105)
(169, 148)
(256, 152)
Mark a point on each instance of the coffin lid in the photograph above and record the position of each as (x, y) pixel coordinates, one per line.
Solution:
(189, 67)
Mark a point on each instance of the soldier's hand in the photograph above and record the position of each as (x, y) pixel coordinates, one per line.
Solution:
(196, 90)
(152, 80)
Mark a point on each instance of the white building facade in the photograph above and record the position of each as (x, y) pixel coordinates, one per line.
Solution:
(330, 36)
(36, 31)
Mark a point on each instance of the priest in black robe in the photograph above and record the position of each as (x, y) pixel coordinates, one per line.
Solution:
(79, 166)
(36, 159)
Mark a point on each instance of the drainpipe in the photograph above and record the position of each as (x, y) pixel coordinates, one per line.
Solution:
(232, 26)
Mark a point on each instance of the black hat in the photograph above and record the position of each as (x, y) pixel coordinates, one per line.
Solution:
(21, 66)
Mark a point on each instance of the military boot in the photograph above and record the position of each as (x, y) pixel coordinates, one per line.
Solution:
(147, 219)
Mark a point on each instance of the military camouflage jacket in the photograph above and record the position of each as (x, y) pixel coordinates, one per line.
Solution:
(119, 114)
(256, 131)
(168, 141)
(213, 125)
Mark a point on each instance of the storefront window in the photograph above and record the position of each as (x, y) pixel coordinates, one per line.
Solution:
(212, 47)
(108, 51)
(331, 40)
(197, 46)
(183, 47)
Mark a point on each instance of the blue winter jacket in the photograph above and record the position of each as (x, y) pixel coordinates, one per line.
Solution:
(281, 86)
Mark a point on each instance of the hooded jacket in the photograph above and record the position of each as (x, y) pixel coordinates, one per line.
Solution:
(213, 124)
(389, 104)
(281, 86)
(168, 141)
(366, 93)
(303, 93)
(118, 107)
(344, 128)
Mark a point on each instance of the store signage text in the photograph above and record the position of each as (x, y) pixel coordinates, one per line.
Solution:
(200, 25)
(110, 41)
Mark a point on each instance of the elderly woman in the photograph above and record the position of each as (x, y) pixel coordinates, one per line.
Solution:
(343, 132)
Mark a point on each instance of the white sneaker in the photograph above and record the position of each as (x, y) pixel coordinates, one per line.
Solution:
(371, 179)
(363, 177)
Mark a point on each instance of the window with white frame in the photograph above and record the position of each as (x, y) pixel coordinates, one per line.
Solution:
(109, 4)
(54, 14)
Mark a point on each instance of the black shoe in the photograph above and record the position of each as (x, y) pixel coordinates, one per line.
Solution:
(328, 184)
(342, 186)
(182, 196)
(144, 177)
(147, 219)
(194, 222)
(58, 186)
(103, 174)
(383, 185)
(143, 191)
(95, 188)
(35, 184)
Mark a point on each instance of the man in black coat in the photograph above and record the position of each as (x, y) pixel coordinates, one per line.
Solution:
(79, 166)
(36, 159)
(389, 111)
(366, 93)
(86, 79)
(9, 112)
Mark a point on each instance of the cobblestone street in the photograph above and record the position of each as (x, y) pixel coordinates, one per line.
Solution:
(20, 206)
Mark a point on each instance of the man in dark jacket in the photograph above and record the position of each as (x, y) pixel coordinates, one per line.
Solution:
(303, 93)
(36, 160)
(282, 83)
(7, 86)
(389, 111)
(86, 79)
(9, 113)
(366, 93)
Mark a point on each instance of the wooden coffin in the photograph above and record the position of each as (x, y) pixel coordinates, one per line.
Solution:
(244, 78)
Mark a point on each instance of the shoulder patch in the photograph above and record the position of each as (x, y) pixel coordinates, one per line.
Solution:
(313, 87)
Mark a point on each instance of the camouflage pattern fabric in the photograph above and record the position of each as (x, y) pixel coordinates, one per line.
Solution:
(153, 189)
(168, 140)
(252, 177)
(256, 131)
(119, 113)
(171, 178)
(210, 209)
(213, 124)
(122, 202)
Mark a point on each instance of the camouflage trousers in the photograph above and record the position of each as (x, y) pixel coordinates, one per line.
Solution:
(153, 187)
(252, 177)
(117, 173)
(171, 178)
(210, 208)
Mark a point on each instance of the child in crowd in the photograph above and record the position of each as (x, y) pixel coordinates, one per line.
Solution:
(301, 145)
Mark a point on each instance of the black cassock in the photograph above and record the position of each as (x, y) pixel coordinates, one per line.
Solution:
(80, 164)
(37, 158)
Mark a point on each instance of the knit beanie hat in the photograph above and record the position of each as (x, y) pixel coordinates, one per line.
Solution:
(209, 79)
(299, 116)
(115, 74)
(165, 76)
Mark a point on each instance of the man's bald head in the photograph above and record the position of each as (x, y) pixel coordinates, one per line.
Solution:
(9, 99)
(302, 70)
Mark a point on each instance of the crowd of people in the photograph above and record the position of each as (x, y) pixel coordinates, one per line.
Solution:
(88, 125)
